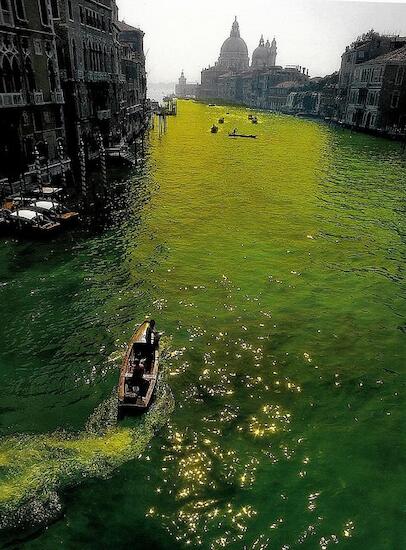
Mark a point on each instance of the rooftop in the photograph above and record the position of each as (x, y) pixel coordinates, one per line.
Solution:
(395, 56)
(125, 27)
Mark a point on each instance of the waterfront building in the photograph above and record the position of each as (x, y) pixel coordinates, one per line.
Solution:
(377, 96)
(262, 84)
(365, 48)
(183, 89)
(102, 68)
(72, 77)
(31, 100)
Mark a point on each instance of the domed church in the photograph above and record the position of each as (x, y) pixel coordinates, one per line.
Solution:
(234, 51)
(264, 56)
(233, 79)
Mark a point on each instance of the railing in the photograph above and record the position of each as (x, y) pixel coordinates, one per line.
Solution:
(37, 97)
(15, 99)
(104, 115)
(57, 96)
(134, 109)
(94, 76)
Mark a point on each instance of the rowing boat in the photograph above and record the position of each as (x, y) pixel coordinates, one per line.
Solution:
(241, 135)
(139, 371)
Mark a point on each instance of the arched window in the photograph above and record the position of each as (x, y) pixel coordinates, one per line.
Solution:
(52, 76)
(16, 75)
(74, 55)
(8, 81)
(20, 9)
(43, 9)
(6, 15)
(85, 53)
(30, 75)
(105, 68)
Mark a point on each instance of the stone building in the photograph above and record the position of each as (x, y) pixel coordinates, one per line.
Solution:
(133, 105)
(31, 100)
(102, 70)
(367, 47)
(377, 94)
(262, 84)
(183, 89)
(70, 72)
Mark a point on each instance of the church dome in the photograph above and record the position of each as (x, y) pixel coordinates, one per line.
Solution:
(234, 51)
(260, 56)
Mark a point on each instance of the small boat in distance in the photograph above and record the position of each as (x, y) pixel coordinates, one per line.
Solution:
(221, 120)
(234, 134)
(139, 371)
(214, 129)
(250, 117)
(254, 120)
(212, 104)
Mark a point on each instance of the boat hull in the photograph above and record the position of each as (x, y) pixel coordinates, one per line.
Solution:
(135, 394)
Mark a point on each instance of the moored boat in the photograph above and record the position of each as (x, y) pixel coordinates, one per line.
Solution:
(30, 220)
(221, 120)
(214, 129)
(139, 371)
(54, 210)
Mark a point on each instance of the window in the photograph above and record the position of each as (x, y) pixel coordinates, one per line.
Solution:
(399, 75)
(74, 55)
(55, 9)
(395, 100)
(43, 9)
(20, 10)
(70, 10)
(6, 16)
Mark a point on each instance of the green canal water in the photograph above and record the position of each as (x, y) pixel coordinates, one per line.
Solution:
(276, 268)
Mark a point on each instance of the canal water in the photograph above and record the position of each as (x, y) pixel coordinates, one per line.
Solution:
(276, 268)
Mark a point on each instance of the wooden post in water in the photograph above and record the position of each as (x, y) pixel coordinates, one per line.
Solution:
(82, 162)
(61, 155)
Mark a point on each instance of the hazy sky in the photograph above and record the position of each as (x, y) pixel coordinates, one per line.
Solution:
(313, 33)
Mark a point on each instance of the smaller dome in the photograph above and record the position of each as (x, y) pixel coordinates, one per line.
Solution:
(260, 56)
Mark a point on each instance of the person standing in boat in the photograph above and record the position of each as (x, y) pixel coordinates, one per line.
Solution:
(138, 373)
(151, 335)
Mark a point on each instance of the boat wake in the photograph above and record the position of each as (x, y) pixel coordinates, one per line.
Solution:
(34, 470)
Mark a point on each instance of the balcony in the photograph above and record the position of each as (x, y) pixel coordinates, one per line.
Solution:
(15, 99)
(134, 109)
(104, 115)
(57, 97)
(94, 76)
(37, 98)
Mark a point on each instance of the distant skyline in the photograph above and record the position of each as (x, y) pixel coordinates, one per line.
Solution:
(311, 33)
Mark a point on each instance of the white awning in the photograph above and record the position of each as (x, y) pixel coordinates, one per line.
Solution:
(46, 205)
(26, 214)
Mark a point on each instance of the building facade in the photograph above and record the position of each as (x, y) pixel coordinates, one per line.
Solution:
(183, 89)
(262, 84)
(377, 94)
(367, 47)
(31, 101)
(72, 76)
(102, 69)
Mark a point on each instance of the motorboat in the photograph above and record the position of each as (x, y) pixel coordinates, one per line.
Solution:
(54, 210)
(139, 371)
(30, 220)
